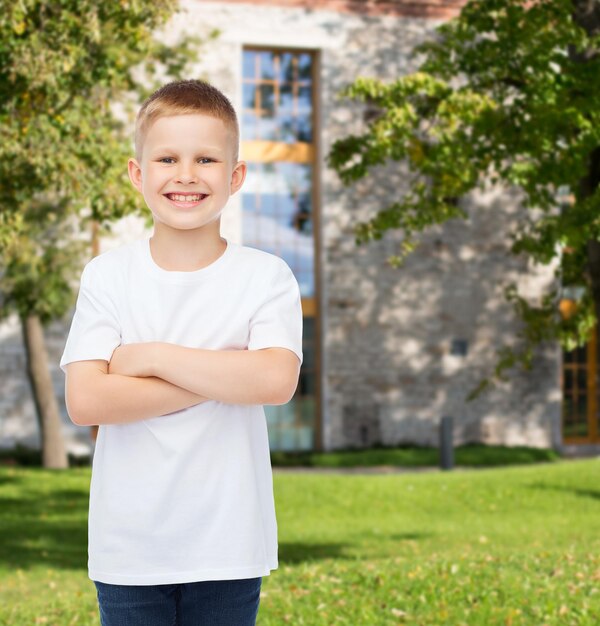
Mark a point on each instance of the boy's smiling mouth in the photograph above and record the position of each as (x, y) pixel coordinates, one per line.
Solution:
(185, 200)
(186, 197)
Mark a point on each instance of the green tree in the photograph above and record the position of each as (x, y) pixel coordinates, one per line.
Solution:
(508, 92)
(64, 66)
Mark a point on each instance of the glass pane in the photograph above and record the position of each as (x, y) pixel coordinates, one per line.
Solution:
(567, 408)
(248, 202)
(568, 378)
(582, 405)
(575, 430)
(286, 98)
(268, 204)
(249, 96)
(267, 100)
(304, 181)
(303, 382)
(286, 211)
(249, 128)
(304, 99)
(249, 229)
(303, 218)
(286, 68)
(285, 415)
(287, 129)
(249, 64)
(306, 282)
(307, 410)
(304, 265)
(568, 356)
(304, 67)
(268, 129)
(267, 66)
(305, 438)
(289, 256)
(304, 128)
(272, 414)
(311, 386)
(309, 328)
(575, 418)
(582, 380)
(287, 439)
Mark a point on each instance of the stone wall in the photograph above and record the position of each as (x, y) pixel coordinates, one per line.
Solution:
(407, 345)
(389, 372)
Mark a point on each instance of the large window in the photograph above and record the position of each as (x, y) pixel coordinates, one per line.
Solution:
(278, 206)
(579, 406)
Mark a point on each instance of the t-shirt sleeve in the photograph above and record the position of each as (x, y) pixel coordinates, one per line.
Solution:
(277, 323)
(95, 330)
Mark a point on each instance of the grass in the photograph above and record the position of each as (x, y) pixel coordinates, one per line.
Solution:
(506, 547)
(474, 455)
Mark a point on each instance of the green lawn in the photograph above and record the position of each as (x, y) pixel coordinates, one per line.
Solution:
(507, 546)
(472, 455)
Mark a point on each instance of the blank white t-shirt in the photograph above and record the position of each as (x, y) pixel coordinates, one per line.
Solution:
(188, 496)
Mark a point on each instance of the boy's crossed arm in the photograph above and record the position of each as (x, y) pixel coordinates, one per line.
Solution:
(94, 397)
(267, 376)
(149, 379)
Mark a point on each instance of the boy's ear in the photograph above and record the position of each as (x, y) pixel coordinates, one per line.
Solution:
(135, 174)
(238, 176)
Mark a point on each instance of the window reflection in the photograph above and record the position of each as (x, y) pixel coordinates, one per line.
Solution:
(277, 216)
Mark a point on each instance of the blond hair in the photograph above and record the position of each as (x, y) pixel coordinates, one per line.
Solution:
(185, 97)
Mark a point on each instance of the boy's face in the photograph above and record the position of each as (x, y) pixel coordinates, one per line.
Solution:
(187, 171)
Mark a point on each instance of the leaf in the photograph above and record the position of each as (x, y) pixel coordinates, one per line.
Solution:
(19, 27)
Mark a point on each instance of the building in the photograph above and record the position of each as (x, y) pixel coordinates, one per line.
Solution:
(388, 352)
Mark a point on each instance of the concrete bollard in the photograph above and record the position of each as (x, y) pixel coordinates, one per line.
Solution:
(446, 444)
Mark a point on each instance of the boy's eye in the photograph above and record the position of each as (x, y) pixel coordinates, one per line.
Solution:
(170, 160)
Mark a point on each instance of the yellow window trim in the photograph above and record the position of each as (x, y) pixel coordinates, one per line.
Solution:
(272, 151)
(309, 307)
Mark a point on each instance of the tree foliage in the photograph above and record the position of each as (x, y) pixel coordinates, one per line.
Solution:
(64, 66)
(70, 72)
(506, 93)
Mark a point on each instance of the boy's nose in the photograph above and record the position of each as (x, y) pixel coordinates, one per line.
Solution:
(186, 174)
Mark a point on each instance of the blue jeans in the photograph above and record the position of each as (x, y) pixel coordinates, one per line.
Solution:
(205, 603)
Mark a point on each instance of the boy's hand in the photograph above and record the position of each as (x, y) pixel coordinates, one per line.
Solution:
(134, 359)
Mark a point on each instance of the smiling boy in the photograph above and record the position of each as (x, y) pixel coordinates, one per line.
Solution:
(176, 343)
